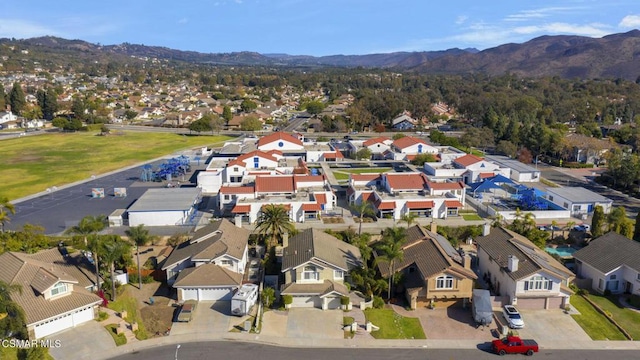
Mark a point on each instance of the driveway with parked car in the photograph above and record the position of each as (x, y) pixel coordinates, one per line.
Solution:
(208, 317)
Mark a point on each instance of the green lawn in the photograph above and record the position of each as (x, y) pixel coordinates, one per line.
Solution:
(626, 318)
(594, 323)
(471, 217)
(119, 339)
(126, 302)
(341, 175)
(34, 163)
(374, 170)
(394, 326)
(11, 353)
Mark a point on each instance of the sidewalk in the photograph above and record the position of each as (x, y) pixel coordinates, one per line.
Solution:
(114, 318)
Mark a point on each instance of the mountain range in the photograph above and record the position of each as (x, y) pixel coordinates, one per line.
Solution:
(612, 56)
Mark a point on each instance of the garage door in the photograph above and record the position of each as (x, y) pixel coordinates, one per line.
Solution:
(53, 326)
(82, 316)
(333, 303)
(216, 293)
(304, 301)
(189, 294)
(555, 303)
(532, 304)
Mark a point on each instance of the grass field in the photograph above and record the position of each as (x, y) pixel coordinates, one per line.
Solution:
(471, 217)
(34, 163)
(343, 174)
(594, 323)
(626, 318)
(394, 326)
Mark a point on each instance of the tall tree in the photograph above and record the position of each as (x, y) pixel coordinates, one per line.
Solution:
(409, 218)
(636, 230)
(273, 223)
(597, 222)
(6, 208)
(3, 98)
(114, 249)
(91, 225)
(391, 250)
(227, 115)
(16, 99)
(363, 208)
(12, 318)
(618, 222)
(139, 236)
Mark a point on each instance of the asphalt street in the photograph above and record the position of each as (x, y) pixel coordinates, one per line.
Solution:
(250, 351)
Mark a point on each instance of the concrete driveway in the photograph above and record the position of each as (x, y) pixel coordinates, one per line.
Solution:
(551, 328)
(210, 317)
(82, 342)
(308, 323)
(451, 323)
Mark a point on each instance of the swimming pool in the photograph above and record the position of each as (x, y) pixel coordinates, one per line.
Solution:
(564, 251)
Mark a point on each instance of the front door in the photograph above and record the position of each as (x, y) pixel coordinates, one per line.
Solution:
(629, 288)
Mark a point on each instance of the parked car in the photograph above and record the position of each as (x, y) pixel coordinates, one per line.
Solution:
(512, 315)
(514, 345)
(186, 311)
(582, 227)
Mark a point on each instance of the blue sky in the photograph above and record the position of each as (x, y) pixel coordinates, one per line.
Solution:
(316, 27)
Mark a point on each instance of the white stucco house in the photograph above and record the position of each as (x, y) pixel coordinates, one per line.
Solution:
(521, 272)
(280, 141)
(612, 262)
(165, 207)
(578, 200)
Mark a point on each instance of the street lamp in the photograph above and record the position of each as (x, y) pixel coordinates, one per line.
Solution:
(177, 347)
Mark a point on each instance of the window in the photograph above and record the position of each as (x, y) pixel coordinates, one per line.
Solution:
(613, 277)
(310, 273)
(59, 288)
(225, 262)
(338, 274)
(638, 277)
(444, 282)
(600, 284)
(550, 198)
(227, 197)
(538, 283)
(235, 169)
(280, 144)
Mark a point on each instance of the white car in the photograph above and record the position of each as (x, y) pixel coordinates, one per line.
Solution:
(512, 315)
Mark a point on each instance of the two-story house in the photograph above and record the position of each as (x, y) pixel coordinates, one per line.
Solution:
(434, 272)
(520, 271)
(315, 265)
(55, 289)
(612, 262)
(211, 264)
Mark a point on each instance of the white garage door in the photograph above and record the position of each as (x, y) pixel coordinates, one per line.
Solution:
(53, 326)
(189, 294)
(333, 303)
(304, 301)
(82, 316)
(216, 293)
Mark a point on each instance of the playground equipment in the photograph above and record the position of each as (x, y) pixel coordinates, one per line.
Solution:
(168, 170)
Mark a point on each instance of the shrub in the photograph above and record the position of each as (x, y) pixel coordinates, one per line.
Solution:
(287, 299)
(102, 315)
(378, 303)
(268, 296)
(344, 300)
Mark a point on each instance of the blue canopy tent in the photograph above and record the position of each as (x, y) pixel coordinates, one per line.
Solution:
(500, 179)
(484, 186)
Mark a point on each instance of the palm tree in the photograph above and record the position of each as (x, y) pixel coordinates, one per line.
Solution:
(409, 218)
(274, 222)
(6, 208)
(7, 289)
(554, 225)
(95, 246)
(363, 208)
(391, 249)
(115, 249)
(89, 225)
(139, 236)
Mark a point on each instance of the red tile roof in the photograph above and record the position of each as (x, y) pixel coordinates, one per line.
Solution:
(407, 141)
(240, 159)
(420, 204)
(311, 207)
(237, 190)
(279, 136)
(445, 186)
(413, 181)
(320, 198)
(467, 160)
(378, 140)
(275, 184)
(390, 205)
(365, 177)
(486, 175)
(453, 204)
(241, 209)
(368, 196)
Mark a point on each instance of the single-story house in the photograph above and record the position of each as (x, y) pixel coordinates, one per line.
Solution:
(165, 207)
(612, 262)
(578, 200)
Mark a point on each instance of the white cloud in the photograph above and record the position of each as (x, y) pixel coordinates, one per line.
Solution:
(461, 19)
(630, 21)
(592, 30)
(525, 15)
(22, 29)
(183, 20)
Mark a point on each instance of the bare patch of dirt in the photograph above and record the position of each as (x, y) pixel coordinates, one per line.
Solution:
(157, 318)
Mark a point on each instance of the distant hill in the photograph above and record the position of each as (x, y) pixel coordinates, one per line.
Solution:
(613, 56)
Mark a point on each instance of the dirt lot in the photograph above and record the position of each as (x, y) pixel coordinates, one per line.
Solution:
(158, 317)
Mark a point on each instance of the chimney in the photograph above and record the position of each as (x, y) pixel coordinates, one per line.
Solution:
(466, 261)
(434, 227)
(512, 264)
(285, 240)
(486, 229)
